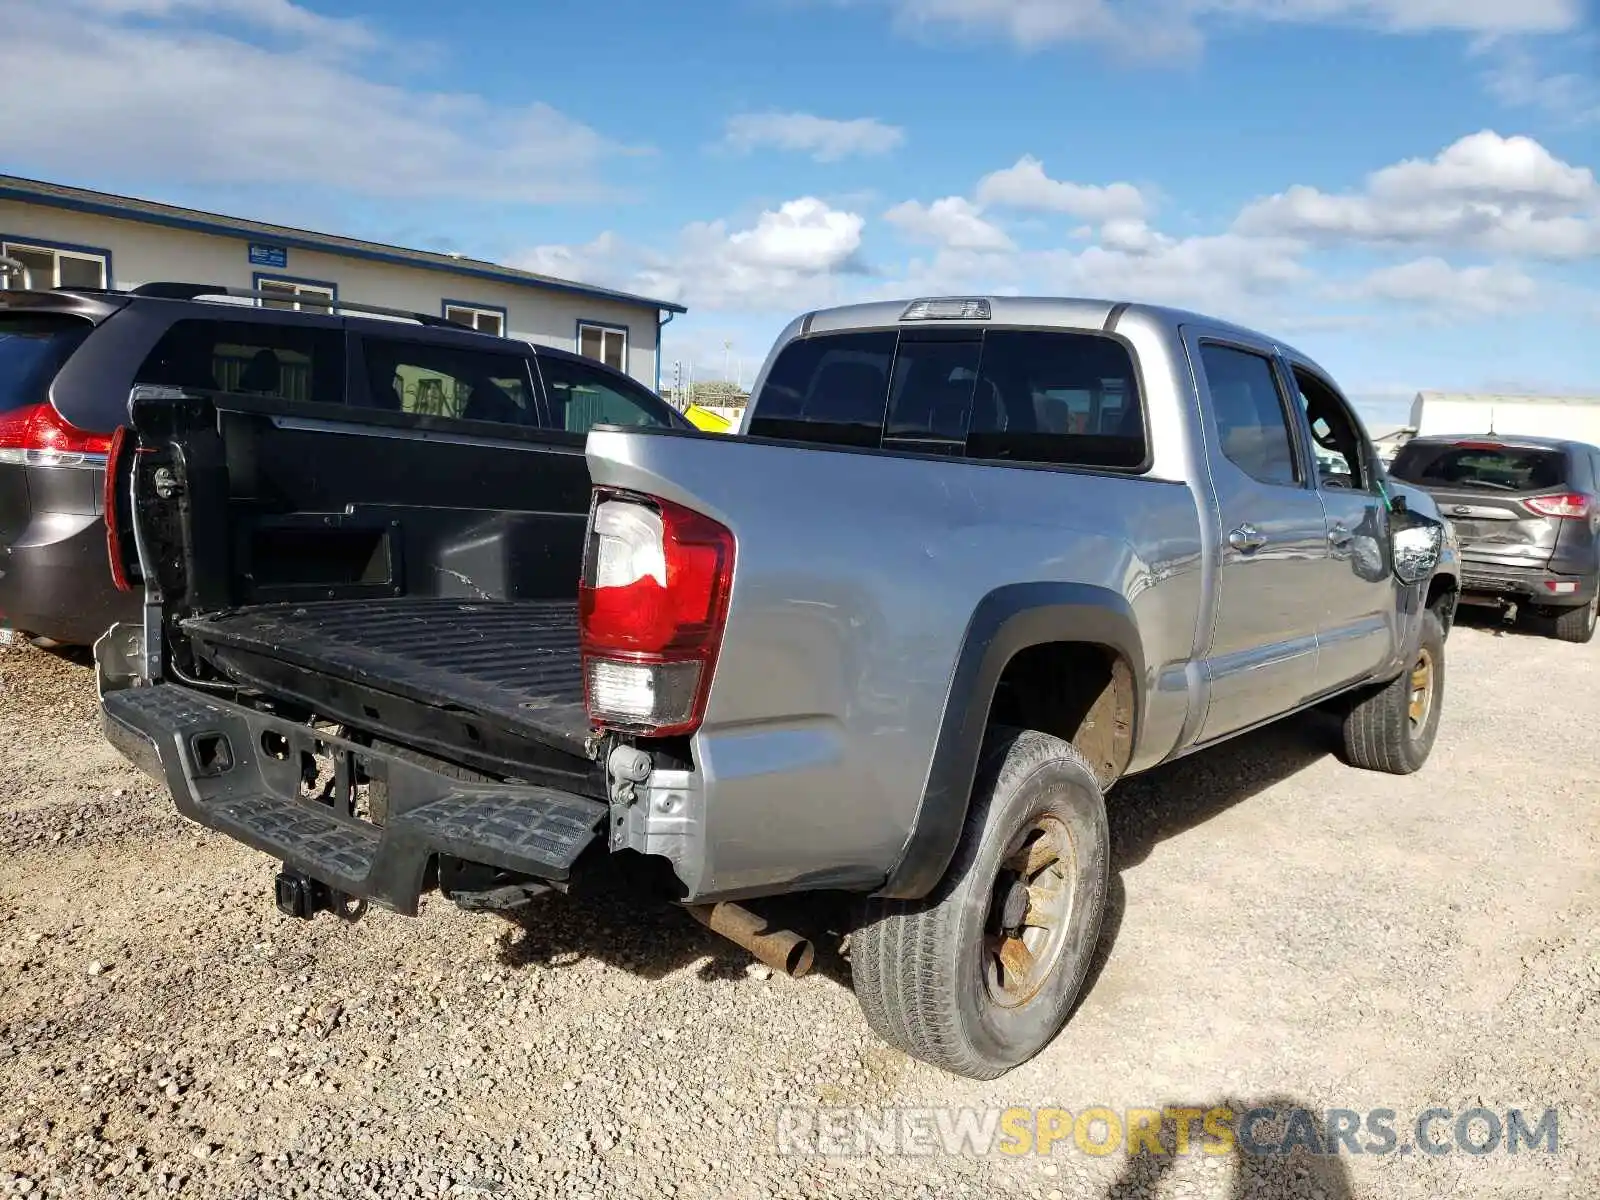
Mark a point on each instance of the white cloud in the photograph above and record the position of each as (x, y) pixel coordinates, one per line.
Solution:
(1228, 274)
(954, 222)
(1026, 188)
(1501, 195)
(790, 256)
(803, 235)
(1521, 73)
(1168, 27)
(154, 90)
(279, 17)
(1434, 284)
(824, 139)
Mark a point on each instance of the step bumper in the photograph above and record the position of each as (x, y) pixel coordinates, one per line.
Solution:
(241, 772)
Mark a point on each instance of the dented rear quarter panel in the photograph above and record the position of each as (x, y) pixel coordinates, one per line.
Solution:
(856, 576)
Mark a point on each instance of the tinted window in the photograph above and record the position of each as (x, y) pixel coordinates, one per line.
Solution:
(32, 349)
(1479, 466)
(447, 381)
(930, 396)
(1013, 395)
(832, 389)
(1251, 421)
(581, 396)
(291, 362)
(1057, 398)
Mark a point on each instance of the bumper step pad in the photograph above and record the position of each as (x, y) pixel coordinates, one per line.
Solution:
(242, 772)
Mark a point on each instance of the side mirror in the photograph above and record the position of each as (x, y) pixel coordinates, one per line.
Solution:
(1416, 542)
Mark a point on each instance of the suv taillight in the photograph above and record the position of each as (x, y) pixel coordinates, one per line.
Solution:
(37, 436)
(1566, 504)
(651, 609)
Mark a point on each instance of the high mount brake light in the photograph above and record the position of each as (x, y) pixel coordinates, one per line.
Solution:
(38, 436)
(652, 605)
(1570, 505)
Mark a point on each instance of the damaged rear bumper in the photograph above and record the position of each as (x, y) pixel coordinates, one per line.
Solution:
(244, 773)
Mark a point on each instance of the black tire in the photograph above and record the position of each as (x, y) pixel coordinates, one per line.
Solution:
(926, 971)
(1575, 624)
(1382, 730)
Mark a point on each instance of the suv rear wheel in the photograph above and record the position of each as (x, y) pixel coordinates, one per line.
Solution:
(1575, 624)
(981, 975)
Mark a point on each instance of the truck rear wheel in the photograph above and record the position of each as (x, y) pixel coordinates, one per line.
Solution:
(1392, 729)
(980, 975)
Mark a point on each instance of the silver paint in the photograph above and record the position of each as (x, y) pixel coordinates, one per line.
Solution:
(856, 574)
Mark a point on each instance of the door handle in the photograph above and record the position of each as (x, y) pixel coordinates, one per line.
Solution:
(1340, 537)
(1247, 539)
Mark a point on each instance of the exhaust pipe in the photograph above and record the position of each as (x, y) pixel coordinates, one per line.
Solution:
(781, 949)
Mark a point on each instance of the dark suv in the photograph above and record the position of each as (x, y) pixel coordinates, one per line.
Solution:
(1526, 513)
(68, 359)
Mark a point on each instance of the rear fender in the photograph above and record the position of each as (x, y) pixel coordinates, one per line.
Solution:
(1007, 621)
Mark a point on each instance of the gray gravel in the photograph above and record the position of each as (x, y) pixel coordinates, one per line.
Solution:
(1284, 931)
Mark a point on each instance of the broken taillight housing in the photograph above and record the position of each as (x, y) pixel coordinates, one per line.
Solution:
(652, 605)
(115, 505)
(1572, 505)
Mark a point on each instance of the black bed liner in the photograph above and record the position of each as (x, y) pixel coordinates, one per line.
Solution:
(513, 661)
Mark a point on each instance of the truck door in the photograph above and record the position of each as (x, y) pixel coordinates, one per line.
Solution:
(1273, 538)
(1358, 625)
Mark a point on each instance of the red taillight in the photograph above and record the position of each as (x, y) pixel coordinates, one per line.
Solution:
(37, 436)
(651, 609)
(1568, 504)
(113, 508)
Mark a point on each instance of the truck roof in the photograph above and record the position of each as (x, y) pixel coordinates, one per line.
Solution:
(1063, 312)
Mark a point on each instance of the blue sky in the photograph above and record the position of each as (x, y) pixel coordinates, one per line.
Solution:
(1404, 188)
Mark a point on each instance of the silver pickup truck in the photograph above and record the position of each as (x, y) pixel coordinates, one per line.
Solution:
(967, 563)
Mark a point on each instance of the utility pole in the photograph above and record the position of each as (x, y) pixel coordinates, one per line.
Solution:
(727, 354)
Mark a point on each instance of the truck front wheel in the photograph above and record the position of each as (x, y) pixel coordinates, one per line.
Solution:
(981, 975)
(1392, 729)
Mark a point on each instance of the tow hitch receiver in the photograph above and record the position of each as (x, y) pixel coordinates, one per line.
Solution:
(302, 897)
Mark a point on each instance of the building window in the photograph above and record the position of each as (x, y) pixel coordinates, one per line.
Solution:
(476, 316)
(299, 295)
(607, 343)
(54, 266)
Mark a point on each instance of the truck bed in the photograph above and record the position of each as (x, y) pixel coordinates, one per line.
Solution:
(514, 662)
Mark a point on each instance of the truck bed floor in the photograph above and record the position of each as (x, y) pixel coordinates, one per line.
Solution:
(513, 660)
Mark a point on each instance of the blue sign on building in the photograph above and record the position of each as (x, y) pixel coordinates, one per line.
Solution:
(268, 256)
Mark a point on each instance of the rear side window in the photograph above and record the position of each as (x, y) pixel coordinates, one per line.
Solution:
(33, 346)
(832, 389)
(448, 381)
(581, 396)
(1252, 423)
(1066, 398)
(290, 362)
(1480, 467)
(1009, 394)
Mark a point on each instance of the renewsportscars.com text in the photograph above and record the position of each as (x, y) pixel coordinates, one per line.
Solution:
(1168, 1129)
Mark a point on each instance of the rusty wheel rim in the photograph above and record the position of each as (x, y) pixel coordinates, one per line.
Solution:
(1030, 912)
(1422, 676)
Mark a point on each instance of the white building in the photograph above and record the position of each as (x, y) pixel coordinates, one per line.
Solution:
(1572, 416)
(72, 237)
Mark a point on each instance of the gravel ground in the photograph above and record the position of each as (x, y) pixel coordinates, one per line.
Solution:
(1284, 931)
